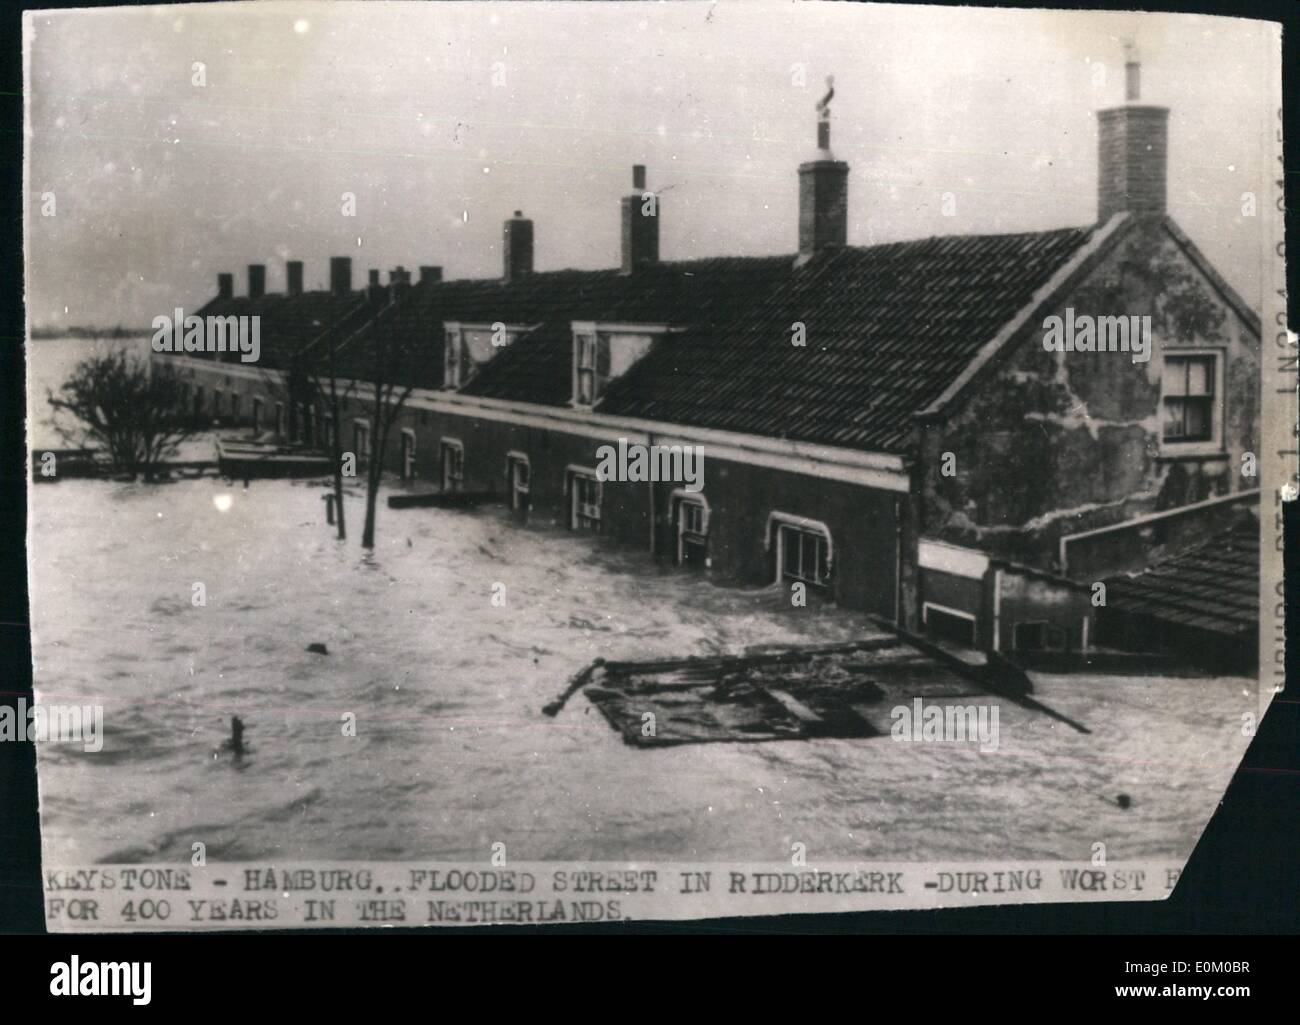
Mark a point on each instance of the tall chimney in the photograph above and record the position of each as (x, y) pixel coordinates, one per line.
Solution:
(517, 247)
(340, 275)
(823, 191)
(1132, 152)
(374, 290)
(399, 280)
(640, 225)
(293, 277)
(430, 274)
(225, 286)
(256, 280)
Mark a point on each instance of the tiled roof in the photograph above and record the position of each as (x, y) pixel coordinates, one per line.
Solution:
(1214, 586)
(888, 327)
(536, 368)
(288, 323)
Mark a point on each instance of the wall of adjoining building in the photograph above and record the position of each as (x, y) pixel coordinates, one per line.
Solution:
(1048, 443)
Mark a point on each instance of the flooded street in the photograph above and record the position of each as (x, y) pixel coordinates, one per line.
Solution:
(451, 753)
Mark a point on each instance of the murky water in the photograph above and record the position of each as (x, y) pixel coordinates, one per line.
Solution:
(451, 753)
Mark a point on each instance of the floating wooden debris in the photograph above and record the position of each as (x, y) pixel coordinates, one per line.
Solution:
(799, 693)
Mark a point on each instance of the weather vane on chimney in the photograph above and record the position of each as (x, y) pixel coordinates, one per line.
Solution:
(1132, 71)
(824, 115)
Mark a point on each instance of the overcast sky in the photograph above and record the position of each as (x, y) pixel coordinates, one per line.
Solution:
(160, 183)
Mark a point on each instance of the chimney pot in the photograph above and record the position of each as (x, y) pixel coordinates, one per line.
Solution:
(340, 275)
(638, 177)
(256, 280)
(293, 277)
(225, 286)
(517, 247)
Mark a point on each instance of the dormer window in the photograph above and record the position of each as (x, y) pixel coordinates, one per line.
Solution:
(468, 347)
(603, 352)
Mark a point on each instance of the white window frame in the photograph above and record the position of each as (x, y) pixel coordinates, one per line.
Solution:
(595, 329)
(515, 458)
(572, 474)
(453, 335)
(1214, 446)
(451, 369)
(773, 539)
(681, 497)
(453, 444)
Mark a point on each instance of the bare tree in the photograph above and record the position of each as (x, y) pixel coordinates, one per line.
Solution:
(321, 381)
(391, 358)
(136, 411)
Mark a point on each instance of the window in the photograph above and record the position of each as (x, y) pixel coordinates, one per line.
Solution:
(218, 397)
(600, 355)
(279, 419)
(1188, 395)
(257, 413)
(468, 347)
(692, 532)
(234, 406)
(585, 494)
(518, 475)
(198, 398)
(453, 465)
(585, 394)
(803, 555)
(451, 359)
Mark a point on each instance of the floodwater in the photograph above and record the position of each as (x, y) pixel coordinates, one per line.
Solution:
(451, 753)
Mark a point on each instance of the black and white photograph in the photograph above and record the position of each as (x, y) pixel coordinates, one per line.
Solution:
(533, 463)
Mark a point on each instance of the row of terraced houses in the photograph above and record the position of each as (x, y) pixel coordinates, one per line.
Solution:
(920, 457)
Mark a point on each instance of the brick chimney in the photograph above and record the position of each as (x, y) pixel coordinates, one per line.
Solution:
(517, 247)
(399, 280)
(293, 277)
(430, 274)
(823, 191)
(640, 225)
(256, 280)
(225, 286)
(1132, 152)
(340, 275)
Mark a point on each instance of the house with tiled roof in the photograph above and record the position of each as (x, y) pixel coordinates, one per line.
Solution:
(897, 427)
